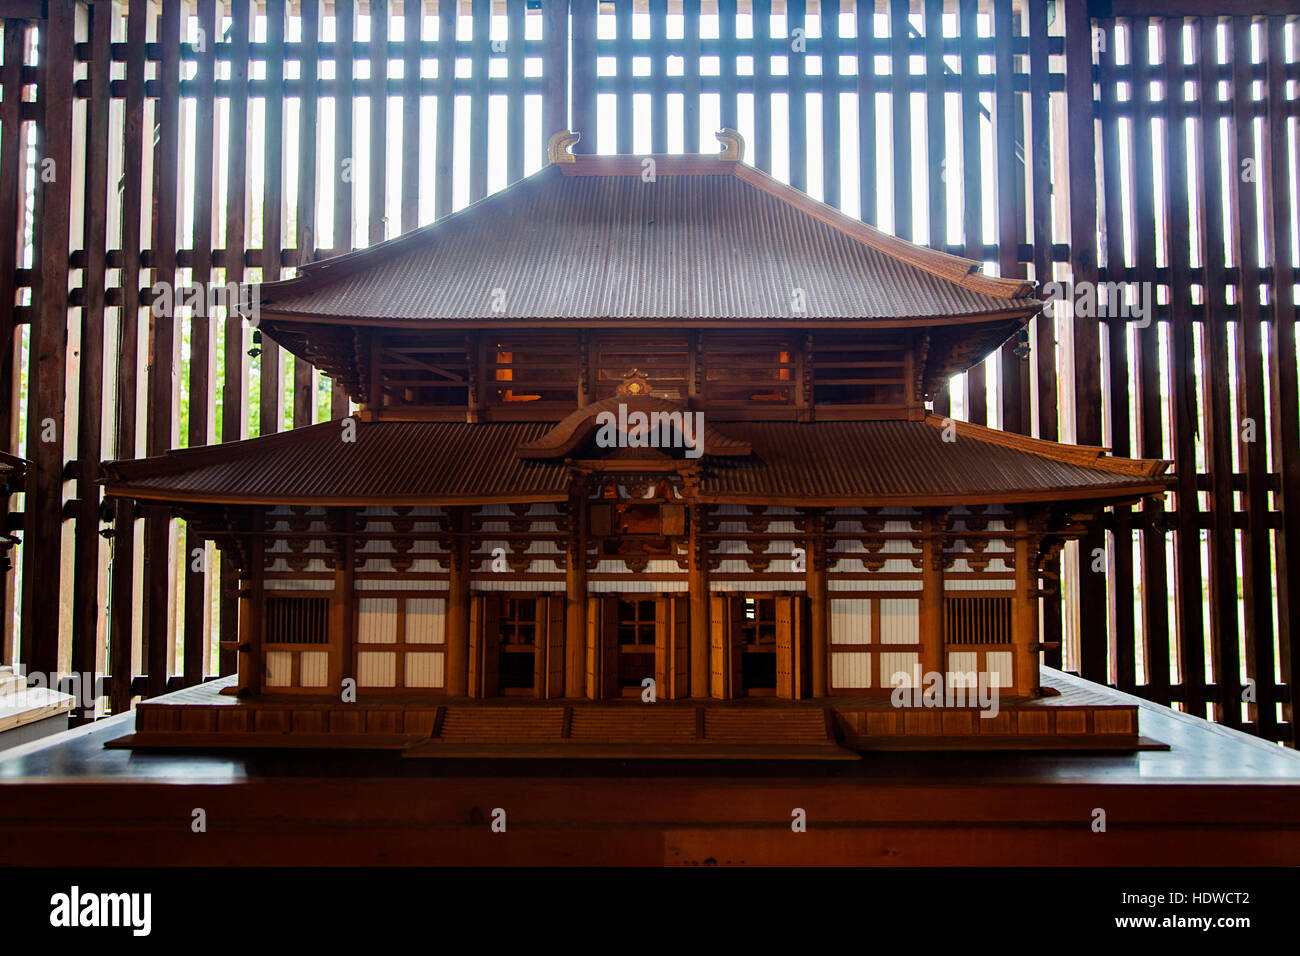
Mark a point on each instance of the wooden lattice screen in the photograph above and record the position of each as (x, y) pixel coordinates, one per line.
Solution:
(182, 142)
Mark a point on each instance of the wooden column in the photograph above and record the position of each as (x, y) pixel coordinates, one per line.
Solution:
(345, 597)
(1024, 633)
(575, 597)
(43, 530)
(816, 586)
(932, 656)
(457, 620)
(699, 598)
(251, 611)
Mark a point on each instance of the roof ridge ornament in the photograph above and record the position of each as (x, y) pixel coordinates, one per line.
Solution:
(733, 145)
(557, 147)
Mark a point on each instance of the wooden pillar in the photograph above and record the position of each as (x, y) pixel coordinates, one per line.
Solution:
(43, 529)
(699, 598)
(816, 586)
(251, 610)
(457, 619)
(932, 655)
(1024, 634)
(345, 598)
(575, 597)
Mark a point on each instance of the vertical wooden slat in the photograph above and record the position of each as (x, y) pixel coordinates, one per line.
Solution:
(446, 106)
(200, 385)
(971, 169)
(901, 105)
(623, 75)
(1155, 586)
(234, 383)
(729, 115)
(43, 531)
(162, 332)
(1044, 326)
(797, 20)
(1182, 400)
(344, 31)
(1223, 548)
(583, 118)
(515, 93)
(271, 394)
(377, 13)
(762, 148)
(304, 387)
(412, 35)
(11, 143)
(478, 101)
(555, 67)
(1120, 570)
(1007, 131)
(866, 53)
(90, 384)
(830, 27)
(659, 76)
(1081, 159)
(1284, 388)
(691, 77)
(1257, 551)
(935, 122)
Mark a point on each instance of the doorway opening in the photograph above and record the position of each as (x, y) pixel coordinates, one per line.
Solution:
(636, 644)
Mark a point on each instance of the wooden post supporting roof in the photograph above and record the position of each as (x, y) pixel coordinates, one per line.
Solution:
(458, 595)
(575, 595)
(818, 623)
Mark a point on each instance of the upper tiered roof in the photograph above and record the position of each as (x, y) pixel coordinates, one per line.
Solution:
(597, 240)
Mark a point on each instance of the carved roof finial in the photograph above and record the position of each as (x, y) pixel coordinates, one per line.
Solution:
(733, 145)
(557, 148)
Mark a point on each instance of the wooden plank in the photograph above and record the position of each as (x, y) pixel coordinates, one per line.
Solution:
(43, 524)
(195, 652)
(1044, 326)
(344, 30)
(234, 384)
(690, 79)
(515, 92)
(90, 382)
(901, 112)
(158, 643)
(1284, 388)
(304, 382)
(1155, 586)
(583, 118)
(377, 90)
(796, 19)
(1081, 161)
(446, 107)
(11, 148)
(1252, 450)
(1120, 568)
(555, 67)
(935, 124)
(972, 179)
(1007, 133)
(412, 36)
(829, 13)
(728, 113)
(623, 75)
(270, 362)
(478, 102)
(1183, 403)
(866, 53)
(761, 150)
(1224, 623)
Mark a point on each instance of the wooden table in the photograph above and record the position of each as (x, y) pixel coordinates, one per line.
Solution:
(1216, 797)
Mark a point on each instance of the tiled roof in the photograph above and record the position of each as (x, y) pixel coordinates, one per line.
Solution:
(716, 242)
(795, 463)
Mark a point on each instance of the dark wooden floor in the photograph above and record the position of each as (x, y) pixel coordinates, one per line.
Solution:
(1216, 797)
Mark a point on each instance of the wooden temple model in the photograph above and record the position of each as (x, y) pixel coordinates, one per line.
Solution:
(642, 466)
